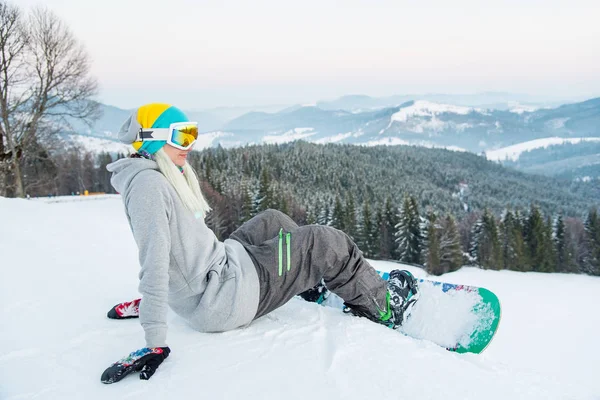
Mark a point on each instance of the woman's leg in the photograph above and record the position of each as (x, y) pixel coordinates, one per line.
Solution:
(298, 260)
(264, 226)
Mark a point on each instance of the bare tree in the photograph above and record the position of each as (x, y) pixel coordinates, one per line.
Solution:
(46, 83)
(13, 41)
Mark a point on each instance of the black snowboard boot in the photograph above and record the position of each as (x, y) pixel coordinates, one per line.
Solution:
(402, 295)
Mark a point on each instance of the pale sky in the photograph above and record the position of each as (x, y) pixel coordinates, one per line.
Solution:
(208, 53)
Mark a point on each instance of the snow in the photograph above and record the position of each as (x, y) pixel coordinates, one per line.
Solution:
(454, 309)
(335, 138)
(514, 152)
(517, 108)
(97, 145)
(389, 141)
(429, 109)
(289, 136)
(395, 141)
(66, 263)
(206, 140)
(557, 123)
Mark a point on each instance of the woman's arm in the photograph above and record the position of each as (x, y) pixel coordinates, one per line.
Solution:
(148, 205)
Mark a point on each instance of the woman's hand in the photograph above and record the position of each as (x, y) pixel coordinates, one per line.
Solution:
(145, 360)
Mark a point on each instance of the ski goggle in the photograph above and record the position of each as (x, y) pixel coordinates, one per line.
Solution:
(181, 135)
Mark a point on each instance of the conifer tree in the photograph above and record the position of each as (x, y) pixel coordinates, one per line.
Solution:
(560, 245)
(511, 242)
(522, 259)
(380, 251)
(592, 230)
(416, 233)
(485, 247)
(264, 197)
(402, 234)
(323, 216)
(408, 236)
(311, 215)
(385, 225)
(350, 220)
(549, 251)
(338, 217)
(450, 250)
(573, 244)
(246, 207)
(391, 216)
(365, 231)
(535, 239)
(432, 245)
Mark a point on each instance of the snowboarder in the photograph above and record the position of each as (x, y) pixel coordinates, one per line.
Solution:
(218, 286)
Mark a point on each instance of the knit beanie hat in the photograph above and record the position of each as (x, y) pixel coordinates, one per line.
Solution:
(153, 115)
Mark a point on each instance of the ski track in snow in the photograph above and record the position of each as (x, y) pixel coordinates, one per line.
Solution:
(65, 264)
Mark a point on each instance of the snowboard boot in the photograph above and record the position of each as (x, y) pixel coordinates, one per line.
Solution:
(402, 294)
(128, 309)
(317, 294)
(401, 297)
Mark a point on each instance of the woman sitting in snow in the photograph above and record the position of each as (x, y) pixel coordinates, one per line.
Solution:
(218, 286)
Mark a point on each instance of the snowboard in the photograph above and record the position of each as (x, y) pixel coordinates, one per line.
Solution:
(460, 318)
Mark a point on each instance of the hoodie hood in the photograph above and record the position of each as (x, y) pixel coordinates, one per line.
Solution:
(125, 169)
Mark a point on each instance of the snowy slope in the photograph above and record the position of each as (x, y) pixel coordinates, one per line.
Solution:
(64, 264)
(514, 152)
(424, 108)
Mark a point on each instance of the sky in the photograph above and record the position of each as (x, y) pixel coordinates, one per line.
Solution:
(209, 53)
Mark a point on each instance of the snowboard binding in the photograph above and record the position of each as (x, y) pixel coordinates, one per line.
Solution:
(318, 294)
(402, 294)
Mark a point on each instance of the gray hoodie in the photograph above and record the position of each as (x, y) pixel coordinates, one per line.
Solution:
(211, 284)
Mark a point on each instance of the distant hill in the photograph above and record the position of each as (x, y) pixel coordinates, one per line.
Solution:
(494, 100)
(314, 174)
(421, 123)
(416, 122)
(575, 159)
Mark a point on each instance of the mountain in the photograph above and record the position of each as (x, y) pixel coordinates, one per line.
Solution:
(67, 263)
(417, 122)
(313, 175)
(495, 100)
(421, 123)
(571, 158)
(111, 119)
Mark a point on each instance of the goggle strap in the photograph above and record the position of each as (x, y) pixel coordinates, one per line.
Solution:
(153, 134)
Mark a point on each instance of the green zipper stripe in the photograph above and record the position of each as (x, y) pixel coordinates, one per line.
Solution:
(281, 252)
(288, 241)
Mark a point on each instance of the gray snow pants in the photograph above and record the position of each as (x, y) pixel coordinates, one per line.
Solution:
(290, 260)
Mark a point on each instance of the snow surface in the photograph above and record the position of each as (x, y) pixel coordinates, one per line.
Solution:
(429, 109)
(518, 108)
(394, 141)
(289, 136)
(335, 138)
(97, 145)
(65, 264)
(422, 108)
(514, 152)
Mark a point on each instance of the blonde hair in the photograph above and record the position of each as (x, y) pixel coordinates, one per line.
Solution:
(186, 184)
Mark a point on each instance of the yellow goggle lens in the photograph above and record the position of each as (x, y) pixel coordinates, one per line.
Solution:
(184, 136)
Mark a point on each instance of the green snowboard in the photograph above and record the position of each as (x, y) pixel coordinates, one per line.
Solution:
(460, 318)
